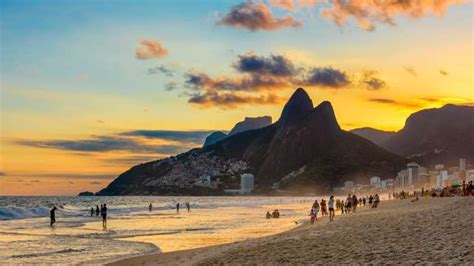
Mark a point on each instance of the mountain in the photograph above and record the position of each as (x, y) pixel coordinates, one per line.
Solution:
(214, 137)
(304, 151)
(376, 136)
(251, 123)
(436, 135)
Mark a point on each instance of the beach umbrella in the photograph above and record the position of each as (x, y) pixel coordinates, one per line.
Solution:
(456, 185)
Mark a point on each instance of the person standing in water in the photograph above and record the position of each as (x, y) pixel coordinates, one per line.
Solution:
(177, 207)
(150, 207)
(97, 211)
(188, 206)
(92, 211)
(52, 215)
(103, 213)
(331, 208)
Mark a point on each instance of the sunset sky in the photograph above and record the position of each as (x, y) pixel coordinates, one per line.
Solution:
(91, 88)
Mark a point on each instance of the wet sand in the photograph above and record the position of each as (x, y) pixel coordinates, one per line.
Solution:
(399, 231)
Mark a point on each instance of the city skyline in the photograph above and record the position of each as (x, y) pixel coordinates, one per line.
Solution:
(90, 89)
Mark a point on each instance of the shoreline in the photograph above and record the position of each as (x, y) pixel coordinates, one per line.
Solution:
(399, 231)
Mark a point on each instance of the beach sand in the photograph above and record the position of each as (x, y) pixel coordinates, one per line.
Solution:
(435, 230)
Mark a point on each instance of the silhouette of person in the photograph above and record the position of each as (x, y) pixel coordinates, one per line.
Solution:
(150, 208)
(103, 212)
(92, 211)
(97, 211)
(52, 215)
(177, 207)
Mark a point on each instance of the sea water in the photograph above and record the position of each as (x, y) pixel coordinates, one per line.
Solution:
(76, 238)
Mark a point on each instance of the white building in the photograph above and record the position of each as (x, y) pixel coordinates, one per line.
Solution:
(348, 185)
(413, 173)
(462, 164)
(247, 183)
(375, 182)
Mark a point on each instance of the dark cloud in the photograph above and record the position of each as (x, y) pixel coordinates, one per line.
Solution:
(161, 69)
(197, 137)
(256, 16)
(410, 70)
(253, 82)
(231, 100)
(396, 103)
(171, 85)
(103, 144)
(370, 81)
(131, 160)
(443, 72)
(327, 77)
(275, 65)
(106, 176)
(95, 183)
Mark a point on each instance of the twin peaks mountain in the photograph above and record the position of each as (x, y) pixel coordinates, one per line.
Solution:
(438, 135)
(304, 151)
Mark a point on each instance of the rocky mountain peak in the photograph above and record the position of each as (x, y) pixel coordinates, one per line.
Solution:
(297, 107)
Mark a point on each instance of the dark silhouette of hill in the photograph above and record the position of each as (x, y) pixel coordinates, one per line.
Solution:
(214, 137)
(436, 135)
(304, 151)
(376, 136)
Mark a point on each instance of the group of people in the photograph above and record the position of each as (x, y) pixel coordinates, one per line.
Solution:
(465, 189)
(274, 214)
(347, 206)
(187, 204)
(324, 207)
(102, 211)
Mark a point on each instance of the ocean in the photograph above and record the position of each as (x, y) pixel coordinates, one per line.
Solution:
(77, 238)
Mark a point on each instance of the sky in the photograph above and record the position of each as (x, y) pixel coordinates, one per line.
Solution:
(91, 88)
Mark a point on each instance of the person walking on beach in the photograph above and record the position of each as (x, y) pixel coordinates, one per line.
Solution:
(315, 209)
(150, 207)
(177, 207)
(370, 201)
(312, 216)
(97, 211)
(103, 213)
(354, 203)
(324, 211)
(376, 201)
(52, 215)
(188, 206)
(363, 200)
(342, 207)
(331, 208)
(92, 211)
(348, 203)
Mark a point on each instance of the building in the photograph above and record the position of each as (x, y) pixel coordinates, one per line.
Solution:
(413, 173)
(375, 182)
(247, 183)
(439, 167)
(348, 185)
(462, 164)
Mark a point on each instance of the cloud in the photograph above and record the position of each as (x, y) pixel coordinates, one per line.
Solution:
(197, 137)
(171, 85)
(443, 72)
(254, 82)
(95, 183)
(150, 49)
(370, 81)
(410, 70)
(131, 160)
(395, 103)
(327, 77)
(293, 5)
(256, 16)
(161, 69)
(369, 13)
(3, 174)
(103, 144)
(231, 100)
(275, 65)
(105, 176)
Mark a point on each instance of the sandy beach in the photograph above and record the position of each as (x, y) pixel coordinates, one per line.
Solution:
(427, 231)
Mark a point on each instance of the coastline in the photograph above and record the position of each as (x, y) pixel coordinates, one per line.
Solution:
(432, 230)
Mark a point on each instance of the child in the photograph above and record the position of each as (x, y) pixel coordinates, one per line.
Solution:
(312, 216)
